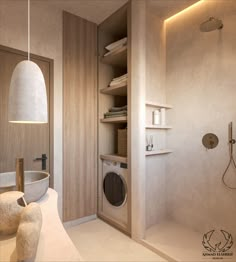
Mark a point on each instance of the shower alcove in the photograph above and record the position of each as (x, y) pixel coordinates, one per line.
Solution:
(182, 71)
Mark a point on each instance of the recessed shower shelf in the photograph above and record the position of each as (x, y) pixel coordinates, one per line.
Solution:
(115, 158)
(158, 152)
(158, 127)
(158, 105)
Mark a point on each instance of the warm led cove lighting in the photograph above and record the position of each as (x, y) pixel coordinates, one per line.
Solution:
(186, 9)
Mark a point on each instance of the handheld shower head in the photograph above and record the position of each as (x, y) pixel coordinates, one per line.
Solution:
(211, 24)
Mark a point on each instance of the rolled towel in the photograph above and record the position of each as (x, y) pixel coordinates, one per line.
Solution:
(10, 212)
(116, 44)
(28, 232)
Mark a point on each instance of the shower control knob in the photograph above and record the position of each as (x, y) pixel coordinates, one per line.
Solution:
(210, 141)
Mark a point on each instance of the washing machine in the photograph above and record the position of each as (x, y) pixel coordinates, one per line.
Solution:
(115, 194)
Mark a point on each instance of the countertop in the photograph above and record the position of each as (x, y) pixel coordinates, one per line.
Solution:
(54, 243)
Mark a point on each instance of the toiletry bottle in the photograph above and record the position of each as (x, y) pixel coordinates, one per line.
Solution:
(156, 117)
(163, 116)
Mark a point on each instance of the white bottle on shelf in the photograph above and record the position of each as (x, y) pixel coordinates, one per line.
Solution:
(156, 117)
(163, 116)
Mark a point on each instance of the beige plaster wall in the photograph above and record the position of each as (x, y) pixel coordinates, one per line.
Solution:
(201, 85)
(46, 40)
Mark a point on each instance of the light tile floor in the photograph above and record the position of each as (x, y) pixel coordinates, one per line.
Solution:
(180, 242)
(98, 241)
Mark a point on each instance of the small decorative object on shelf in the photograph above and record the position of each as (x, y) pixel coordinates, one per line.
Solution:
(149, 146)
(159, 115)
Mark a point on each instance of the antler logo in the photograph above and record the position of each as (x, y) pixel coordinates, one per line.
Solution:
(218, 247)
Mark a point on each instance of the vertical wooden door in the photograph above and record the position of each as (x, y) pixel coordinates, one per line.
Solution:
(21, 140)
(80, 117)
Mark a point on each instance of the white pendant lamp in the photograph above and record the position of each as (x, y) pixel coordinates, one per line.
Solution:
(27, 96)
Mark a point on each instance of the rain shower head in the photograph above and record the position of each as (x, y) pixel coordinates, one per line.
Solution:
(211, 24)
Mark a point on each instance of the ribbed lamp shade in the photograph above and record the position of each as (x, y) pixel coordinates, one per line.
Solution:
(27, 96)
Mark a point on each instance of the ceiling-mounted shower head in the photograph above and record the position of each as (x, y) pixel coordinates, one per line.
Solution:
(211, 24)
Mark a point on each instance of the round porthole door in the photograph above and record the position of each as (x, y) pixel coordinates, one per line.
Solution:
(114, 188)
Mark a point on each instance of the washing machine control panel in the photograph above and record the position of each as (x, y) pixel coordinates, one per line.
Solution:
(123, 165)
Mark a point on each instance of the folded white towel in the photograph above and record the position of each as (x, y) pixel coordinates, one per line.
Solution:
(28, 232)
(114, 49)
(118, 43)
(120, 77)
(115, 83)
(119, 80)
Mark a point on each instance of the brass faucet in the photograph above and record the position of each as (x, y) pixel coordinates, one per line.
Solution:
(20, 185)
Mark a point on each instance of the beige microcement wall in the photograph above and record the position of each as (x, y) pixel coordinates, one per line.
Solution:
(46, 40)
(201, 86)
(155, 92)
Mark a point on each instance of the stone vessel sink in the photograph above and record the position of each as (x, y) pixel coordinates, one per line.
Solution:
(36, 184)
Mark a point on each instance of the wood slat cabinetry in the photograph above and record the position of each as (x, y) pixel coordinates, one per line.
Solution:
(79, 117)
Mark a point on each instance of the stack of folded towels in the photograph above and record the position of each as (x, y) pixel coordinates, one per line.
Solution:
(116, 112)
(116, 46)
(119, 80)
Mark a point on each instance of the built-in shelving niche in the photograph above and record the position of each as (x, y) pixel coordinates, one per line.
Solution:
(111, 66)
(155, 105)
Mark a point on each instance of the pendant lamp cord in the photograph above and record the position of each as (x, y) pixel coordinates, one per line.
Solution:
(28, 29)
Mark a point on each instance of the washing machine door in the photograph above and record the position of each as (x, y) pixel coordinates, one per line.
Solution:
(114, 188)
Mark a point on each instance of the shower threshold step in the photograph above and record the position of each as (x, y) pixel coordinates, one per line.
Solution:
(177, 242)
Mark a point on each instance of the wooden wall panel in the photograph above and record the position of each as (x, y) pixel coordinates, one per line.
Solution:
(80, 117)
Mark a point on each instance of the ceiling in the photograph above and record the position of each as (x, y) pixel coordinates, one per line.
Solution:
(98, 10)
(167, 8)
(93, 10)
